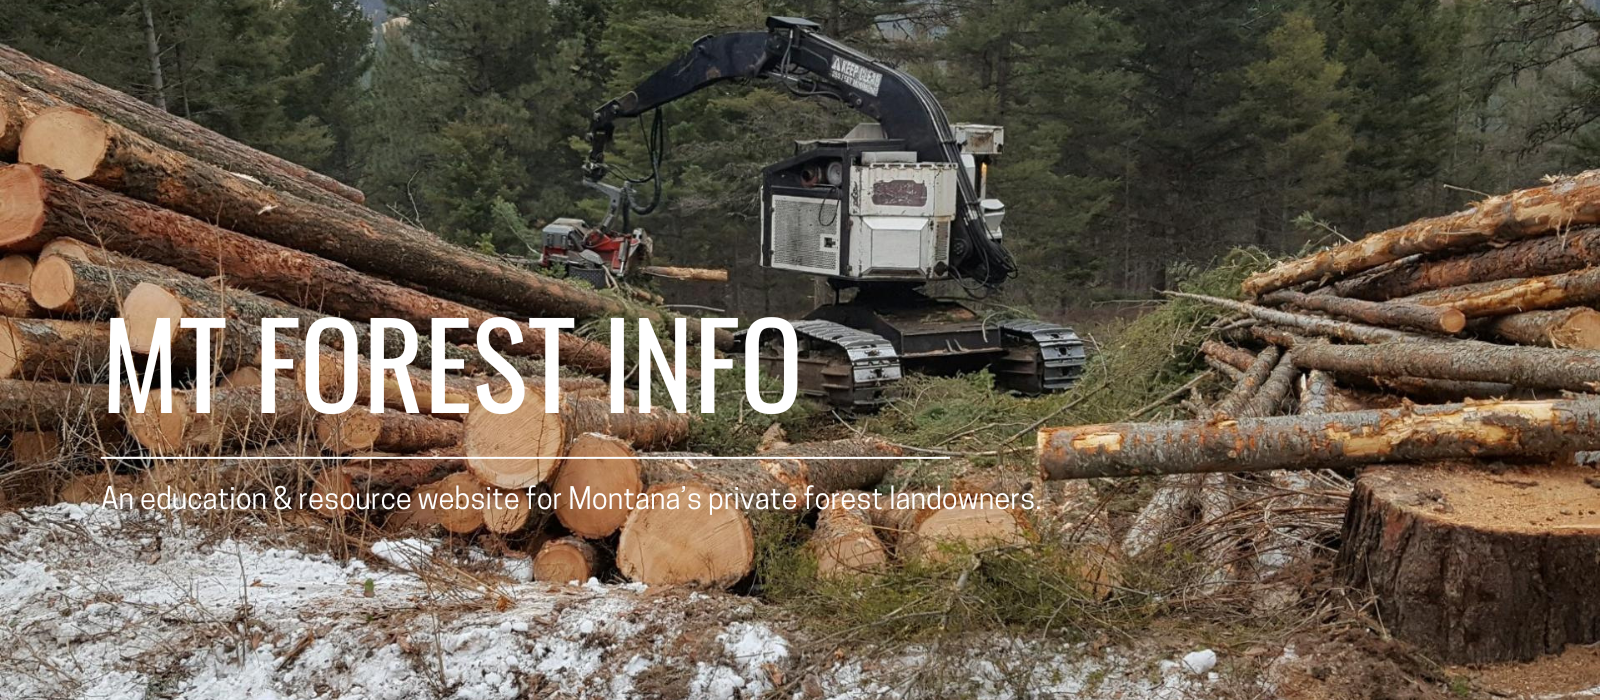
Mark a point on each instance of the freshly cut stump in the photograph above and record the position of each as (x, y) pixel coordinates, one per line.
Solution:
(605, 481)
(566, 560)
(684, 541)
(1475, 565)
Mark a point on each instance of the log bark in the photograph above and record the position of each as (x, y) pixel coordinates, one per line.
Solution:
(178, 133)
(15, 269)
(1395, 314)
(1536, 257)
(1567, 203)
(844, 542)
(235, 420)
(339, 487)
(19, 104)
(1577, 328)
(695, 543)
(86, 213)
(27, 405)
(51, 349)
(15, 302)
(1406, 434)
(1471, 361)
(82, 289)
(1515, 296)
(1274, 390)
(1315, 325)
(1433, 390)
(1237, 358)
(1474, 565)
(596, 484)
(361, 430)
(1249, 384)
(86, 148)
(542, 439)
(693, 274)
(567, 560)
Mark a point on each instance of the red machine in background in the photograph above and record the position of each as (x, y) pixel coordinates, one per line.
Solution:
(591, 253)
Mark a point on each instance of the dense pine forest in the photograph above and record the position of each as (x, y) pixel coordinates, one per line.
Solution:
(1144, 138)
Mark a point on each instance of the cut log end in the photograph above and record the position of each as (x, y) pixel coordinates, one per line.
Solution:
(1476, 565)
(158, 430)
(948, 531)
(455, 512)
(15, 269)
(683, 545)
(1452, 321)
(22, 209)
(527, 432)
(612, 481)
(53, 284)
(508, 513)
(352, 431)
(143, 307)
(332, 487)
(566, 560)
(69, 139)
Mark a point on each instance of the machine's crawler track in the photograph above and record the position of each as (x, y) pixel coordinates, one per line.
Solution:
(851, 368)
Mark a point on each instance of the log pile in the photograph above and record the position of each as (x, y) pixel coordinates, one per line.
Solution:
(114, 212)
(1452, 364)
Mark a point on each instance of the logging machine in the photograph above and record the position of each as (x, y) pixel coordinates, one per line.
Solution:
(891, 206)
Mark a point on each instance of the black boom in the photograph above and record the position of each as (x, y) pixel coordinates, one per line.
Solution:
(809, 64)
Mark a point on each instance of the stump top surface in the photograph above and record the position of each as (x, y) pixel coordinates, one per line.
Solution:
(1548, 499)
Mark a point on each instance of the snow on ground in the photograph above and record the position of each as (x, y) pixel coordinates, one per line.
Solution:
(116, 605)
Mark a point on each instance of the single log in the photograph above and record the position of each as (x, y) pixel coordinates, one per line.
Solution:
(178, 133)
(457, 502)
(1388, 314)
(235, 420)
(696, 521)
(1436, 390)
(15, 302)
(19, 104)
(541, 439)
(596, 485)
(1237, 358)
(1226, 370)
(566, 560)
(1535, 257)
(86, 148)
(1474, 565)
(361, 430)
(695, 274)
(1472, 361)
(1517, 295)
(341, 488)
(1406, 434)
(1315, 325)
(1248, 385)
(15, 269)
(51, 349)
(1577, 328)
(86, 213)
(246, 377)
(83, 289)
(1318, 394)
(26, 405)
(844, 542)
(1566, 203)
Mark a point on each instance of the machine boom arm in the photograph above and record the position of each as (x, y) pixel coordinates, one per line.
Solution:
(809, 64)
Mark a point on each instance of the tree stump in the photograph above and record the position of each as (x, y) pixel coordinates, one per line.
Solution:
(1479, 565)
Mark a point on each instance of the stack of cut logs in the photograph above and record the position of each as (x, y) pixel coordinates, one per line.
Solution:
(1460, 353)
(112, 208)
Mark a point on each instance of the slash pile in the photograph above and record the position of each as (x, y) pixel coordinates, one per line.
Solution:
(1461, 350)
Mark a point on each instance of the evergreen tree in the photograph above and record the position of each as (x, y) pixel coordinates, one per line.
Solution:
(327, 55)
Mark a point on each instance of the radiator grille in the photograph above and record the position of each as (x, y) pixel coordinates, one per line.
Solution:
(805, 234)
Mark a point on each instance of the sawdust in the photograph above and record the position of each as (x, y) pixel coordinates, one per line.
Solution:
(1575, 672)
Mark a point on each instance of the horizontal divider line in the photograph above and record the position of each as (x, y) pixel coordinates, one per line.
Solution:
(397, 457)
